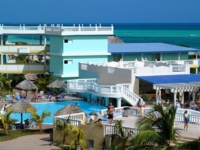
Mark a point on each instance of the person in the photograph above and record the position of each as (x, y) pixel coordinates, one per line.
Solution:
(110, 112)
(186, 120)
(35, 96)
(4, 107)
(139, 103)
(99, 121)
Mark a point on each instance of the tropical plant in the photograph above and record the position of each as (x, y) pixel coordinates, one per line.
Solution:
(65, 127)
(38, 119)
(120, 136)
(79, 138)
(43, 81)
(7, 121)
(156, 129)
(5, 84)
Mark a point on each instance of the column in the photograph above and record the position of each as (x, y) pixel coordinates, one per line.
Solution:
(1, 59)
(175, 92)
(196, 70)
(193, 96)
(88, 97)
(45, 40)
(106, 101)
(182, 97)
(1, 40)
(179, 56)
(44, 59)
(157, 96)
(160, 56)
(40, 40)
(119, 102)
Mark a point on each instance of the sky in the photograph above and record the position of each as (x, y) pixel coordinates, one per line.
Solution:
(100, 11)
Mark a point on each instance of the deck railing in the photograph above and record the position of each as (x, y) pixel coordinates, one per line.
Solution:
(120, 90)
(74, 119)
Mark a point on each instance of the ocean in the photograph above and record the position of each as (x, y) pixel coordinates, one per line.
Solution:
(177, 34)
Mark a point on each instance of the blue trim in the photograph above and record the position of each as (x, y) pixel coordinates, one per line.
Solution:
(163, 79)
(147, 48)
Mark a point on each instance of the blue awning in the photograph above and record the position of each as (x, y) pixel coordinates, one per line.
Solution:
(166, 79)
(147, 48)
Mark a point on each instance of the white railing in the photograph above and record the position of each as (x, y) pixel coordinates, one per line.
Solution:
(75, 119)
(111, 129)
(119, 90)
(75, 122)
(118, 112)
(192, 118)
(23, 67)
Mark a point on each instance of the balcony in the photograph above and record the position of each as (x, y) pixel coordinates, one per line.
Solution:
(23, 49)
(24, 68)
(79, 30)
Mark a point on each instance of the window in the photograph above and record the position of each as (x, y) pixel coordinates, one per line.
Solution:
(68, 62)
(67, 41)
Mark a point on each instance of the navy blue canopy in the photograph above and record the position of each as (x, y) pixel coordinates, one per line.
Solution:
(147, 48)
(164, 79)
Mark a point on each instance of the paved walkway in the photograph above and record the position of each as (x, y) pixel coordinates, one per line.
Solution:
(29, 142)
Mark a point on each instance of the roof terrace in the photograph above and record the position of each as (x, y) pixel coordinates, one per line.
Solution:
(58, 29)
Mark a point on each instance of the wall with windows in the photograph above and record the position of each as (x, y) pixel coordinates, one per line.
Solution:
(70, 63)
(84, 44)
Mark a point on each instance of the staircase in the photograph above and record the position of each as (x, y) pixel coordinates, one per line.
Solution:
(90, 85)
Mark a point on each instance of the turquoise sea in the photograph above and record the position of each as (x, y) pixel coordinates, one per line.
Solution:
(178, 34)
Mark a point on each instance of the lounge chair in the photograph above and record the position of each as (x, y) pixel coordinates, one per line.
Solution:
(8, 98)
(28, 124)
(61, 96)
(104, 119)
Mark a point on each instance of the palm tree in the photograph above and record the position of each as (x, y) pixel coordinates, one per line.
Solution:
(157, 128)
(79, 140)
(7, 121)
(120, 137)
(39, 119)
(5, 84)
(65, 127)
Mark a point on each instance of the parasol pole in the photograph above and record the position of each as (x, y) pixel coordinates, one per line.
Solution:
(21, 120)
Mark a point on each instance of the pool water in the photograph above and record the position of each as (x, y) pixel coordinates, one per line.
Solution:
(53, 107)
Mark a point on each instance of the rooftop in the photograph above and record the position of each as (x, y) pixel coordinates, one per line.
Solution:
(147, 48)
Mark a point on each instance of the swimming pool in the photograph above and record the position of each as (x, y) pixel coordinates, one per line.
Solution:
(53, 107)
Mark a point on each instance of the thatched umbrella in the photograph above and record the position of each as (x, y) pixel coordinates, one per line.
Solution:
(27, 85)
(21, 107)
(31, 77)
(69, 109)
(57, 84)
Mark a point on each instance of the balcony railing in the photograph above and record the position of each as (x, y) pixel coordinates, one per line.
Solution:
(20, 68)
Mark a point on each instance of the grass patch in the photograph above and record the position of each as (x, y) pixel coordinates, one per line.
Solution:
(18, 133)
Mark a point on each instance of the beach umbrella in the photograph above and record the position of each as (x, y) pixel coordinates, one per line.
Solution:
(57, 84)
(31, 77)
(27, 85)
(21, 107)
(69, 109)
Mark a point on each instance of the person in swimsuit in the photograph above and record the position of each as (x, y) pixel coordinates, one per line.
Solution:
(186, 120)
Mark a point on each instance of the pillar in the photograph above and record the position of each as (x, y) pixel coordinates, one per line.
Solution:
(1, 59)
(40, 39)
(179, 56)
(193, 96)
(175, 98)
(119, 102)
(1, 40)
(45, 40)
(44, 59)
(106, 101)
(182, 97)
(196, 70)
(157, 96)
(88, 97)
(160, 56)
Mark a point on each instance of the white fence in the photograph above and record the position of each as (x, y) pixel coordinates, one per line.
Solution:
(75, 119)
